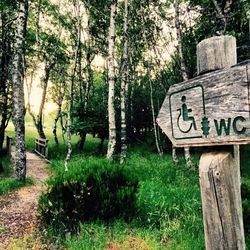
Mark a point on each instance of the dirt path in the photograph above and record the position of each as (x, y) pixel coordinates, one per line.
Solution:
(18, 209)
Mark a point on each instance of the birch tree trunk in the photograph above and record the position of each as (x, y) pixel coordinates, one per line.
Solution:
(5, 58)
(59, 102)
(124, 86)
(39, 122)
(111, 81)
(59, 111)
(89, 83)
(18, 91)
(189, 163)
(154, 120)
(71, 88)
(3, 98)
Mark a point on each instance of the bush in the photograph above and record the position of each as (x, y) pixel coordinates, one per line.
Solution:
(245, 193)
(99, 191)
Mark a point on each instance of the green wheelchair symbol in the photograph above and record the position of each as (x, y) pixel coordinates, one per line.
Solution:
(184, 117)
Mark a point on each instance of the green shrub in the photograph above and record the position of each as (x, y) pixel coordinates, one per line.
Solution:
(100, 190)
(245, 193)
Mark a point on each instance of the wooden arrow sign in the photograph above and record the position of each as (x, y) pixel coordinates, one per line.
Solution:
(212, 109)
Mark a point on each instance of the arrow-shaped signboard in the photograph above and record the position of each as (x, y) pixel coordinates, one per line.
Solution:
(212, 109)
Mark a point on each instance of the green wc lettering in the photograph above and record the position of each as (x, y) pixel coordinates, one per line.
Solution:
(226, 126)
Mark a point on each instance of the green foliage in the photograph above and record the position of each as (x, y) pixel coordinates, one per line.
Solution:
(96, 190)
(5, 164)
(93, 118)
(205, 24)
(245, 194)
(168, 208)
(10, 184)
(117, 235)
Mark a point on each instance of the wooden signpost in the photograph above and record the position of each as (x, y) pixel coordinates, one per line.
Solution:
(214, 109)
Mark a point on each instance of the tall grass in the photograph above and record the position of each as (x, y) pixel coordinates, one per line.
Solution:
(169, 214)
(7, 180)
(168, 206)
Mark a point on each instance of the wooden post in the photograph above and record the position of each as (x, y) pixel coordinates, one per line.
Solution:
(219, 171)
(216, 53)
(221, 201)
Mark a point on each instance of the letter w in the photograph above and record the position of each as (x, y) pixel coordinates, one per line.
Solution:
(223, 126)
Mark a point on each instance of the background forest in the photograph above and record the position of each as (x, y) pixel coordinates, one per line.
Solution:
(106, 66)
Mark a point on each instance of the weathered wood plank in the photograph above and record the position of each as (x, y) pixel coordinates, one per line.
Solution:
(41, 147)
(221, 97)
(221, 202)
(216, 53)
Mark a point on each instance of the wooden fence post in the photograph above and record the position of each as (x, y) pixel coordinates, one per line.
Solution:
(219, 171)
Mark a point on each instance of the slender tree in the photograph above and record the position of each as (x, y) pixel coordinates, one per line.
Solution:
(154, 119)
(183, 73)
(18, 91)
(72, 81)
(111, 81)
(124, 83)
(57, 93)
(6, 41)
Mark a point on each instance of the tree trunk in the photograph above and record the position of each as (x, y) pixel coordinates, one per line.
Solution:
(111, 81)
(18, 91)
(189, 163)
(89, 58)
(39, 124)
(220, 20)
(154, 120)
(89, 78)
(28, 88)
(55, 124)
(82, 140)
(4, 70)
(3, 99)
(179, 41)
(124, 83)
(71, 89)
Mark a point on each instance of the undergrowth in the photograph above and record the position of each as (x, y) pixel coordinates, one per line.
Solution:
(168, 205)
(10, 184)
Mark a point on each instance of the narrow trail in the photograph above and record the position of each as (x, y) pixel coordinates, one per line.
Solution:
(18, 209)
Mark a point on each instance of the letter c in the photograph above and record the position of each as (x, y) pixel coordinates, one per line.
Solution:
(236, 130)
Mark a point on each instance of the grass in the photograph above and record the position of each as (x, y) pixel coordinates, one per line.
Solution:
(7, 181)
(10, 184)
(169, 208)
(169, 212)
(5, 162)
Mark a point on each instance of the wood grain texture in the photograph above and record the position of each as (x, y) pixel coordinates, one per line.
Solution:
(216, 53)
(221, 96)
(221, 202)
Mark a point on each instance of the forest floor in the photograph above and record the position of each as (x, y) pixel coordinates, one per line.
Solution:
(18, 209)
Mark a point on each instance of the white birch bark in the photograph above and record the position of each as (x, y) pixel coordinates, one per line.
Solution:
(39, 122)
(124, 83)
(111, 82)
(18, 91)
(187, 155)
(154, 120)
(71, 89)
